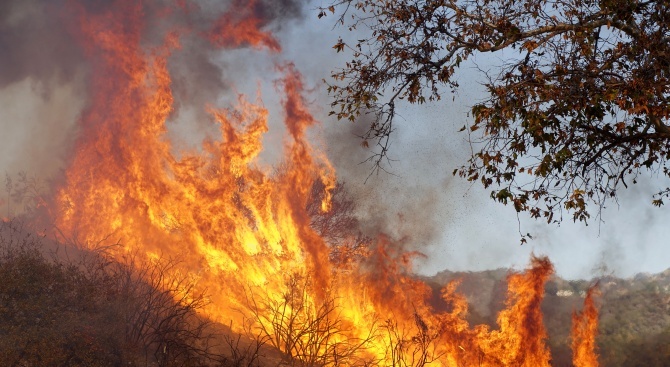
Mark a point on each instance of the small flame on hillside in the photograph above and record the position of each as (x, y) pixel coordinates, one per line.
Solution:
(243, 229)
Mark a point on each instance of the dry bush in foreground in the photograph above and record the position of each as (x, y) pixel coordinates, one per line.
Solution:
(306, 332)
(91, 310)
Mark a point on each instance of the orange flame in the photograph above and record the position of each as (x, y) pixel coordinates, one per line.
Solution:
(244, 231)
(522, 332)
(239, 27)
(584, 332)
(520, 339)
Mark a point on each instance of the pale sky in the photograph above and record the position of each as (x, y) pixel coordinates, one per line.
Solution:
(469, 231)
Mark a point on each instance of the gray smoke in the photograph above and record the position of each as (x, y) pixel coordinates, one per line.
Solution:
(34, 43)
(44, 72)
(43, 89)
(417, 200)
(455, 222)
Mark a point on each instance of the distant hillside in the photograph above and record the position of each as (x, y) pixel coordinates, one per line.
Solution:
(634, 313)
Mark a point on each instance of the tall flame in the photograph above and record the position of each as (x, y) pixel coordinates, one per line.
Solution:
(584, 332)
(242, 228)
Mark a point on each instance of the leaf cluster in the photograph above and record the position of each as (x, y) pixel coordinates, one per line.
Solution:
(577, 108)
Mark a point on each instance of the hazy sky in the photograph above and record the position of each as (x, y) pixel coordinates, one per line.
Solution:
(454, 223)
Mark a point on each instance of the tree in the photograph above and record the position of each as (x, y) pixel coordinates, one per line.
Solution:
(577, 109)
(338, 226)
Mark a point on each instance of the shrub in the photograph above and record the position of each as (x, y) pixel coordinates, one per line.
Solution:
(92, 310)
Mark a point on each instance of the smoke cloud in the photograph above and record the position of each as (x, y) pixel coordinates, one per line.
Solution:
(453, 221)
(35, 44)
(43, 89)
(44, 71)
